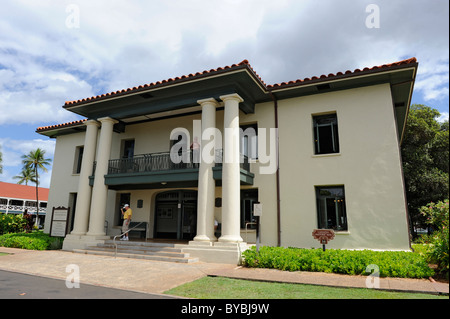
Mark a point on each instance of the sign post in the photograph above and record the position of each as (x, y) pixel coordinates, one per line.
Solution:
(257, 213)
(323, 236)
(59, 221)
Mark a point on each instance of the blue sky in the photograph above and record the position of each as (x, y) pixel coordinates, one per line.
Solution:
(54, 51)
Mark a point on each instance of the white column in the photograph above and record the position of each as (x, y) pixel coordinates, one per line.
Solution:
(100, 190)
(84, 190)
(206, 183)
(231, 171)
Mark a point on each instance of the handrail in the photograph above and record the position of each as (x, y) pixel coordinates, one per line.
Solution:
(114, 239)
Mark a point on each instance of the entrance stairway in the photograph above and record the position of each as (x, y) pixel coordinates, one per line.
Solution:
(140, 250)
(214, 252)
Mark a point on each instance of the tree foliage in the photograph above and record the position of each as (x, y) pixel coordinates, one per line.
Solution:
(26, 175)
(425, 154)
(34, 161)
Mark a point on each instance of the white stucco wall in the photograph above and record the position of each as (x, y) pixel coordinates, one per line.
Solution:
(63, 180)
(368, 166)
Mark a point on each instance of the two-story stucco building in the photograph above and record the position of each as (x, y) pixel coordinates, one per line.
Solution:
(322, 152)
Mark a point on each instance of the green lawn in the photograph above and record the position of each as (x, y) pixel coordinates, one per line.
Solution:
(226, 288)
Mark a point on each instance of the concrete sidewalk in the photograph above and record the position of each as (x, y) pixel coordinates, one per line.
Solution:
(156, 277)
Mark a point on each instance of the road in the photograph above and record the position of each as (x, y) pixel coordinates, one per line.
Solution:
(22, 286)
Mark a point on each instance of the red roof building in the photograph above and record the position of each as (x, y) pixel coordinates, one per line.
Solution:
(15, 198)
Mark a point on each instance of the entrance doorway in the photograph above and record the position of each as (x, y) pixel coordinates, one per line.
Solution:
(176, 215)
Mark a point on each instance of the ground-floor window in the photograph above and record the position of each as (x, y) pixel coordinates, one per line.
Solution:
(331, 211)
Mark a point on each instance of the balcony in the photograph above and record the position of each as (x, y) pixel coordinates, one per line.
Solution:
(157, 170)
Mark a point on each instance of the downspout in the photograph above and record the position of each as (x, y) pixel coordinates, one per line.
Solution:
(275, 104)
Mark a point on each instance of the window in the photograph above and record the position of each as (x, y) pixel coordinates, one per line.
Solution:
(127, 148)
(249, 141)
(331, 212)
(326, 138)
(78, 158)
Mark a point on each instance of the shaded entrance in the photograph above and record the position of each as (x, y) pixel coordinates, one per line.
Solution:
(176, 215)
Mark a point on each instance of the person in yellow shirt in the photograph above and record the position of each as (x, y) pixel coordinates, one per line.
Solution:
(126, 214)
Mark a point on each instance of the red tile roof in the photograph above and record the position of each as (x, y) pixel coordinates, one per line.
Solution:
(331, 76)
(9, 190)
(241, 65)
(51, 127)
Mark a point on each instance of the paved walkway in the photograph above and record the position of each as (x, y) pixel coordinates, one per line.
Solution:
(156, 277)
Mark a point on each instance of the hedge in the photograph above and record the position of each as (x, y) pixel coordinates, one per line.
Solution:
(352, 262)
(35, 241)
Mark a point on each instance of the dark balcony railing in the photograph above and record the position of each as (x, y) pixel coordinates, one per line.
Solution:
(161, 162)
(244, 163)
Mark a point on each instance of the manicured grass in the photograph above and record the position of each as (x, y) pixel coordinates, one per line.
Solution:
(226, 288)
(3, 254)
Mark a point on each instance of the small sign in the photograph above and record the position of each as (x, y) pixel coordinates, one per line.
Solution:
(323, 235)
(60, 218)
(257, 209)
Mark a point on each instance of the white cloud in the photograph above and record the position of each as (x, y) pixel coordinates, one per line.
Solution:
(443, 117)
(434, 87)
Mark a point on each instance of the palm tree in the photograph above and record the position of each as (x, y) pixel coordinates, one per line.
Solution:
(34, 161)
(26, 175)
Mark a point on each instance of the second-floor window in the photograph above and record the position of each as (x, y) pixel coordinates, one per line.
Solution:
(326, 138)
(127, 148)
(78, 159)
(249, 140)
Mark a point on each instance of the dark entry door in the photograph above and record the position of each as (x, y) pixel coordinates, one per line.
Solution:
(189, 227)
(166, 220)
(176, 215)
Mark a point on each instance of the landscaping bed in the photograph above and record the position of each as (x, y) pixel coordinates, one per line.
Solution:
(351, 262)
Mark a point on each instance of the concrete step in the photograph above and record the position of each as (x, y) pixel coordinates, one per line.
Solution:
(139, 243)
(141, 250)
(123, 254)
(217, 252)
(147, 248)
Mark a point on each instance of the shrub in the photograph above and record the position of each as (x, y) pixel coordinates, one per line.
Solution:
(352, 262)
(34, 241)
(437, 242)
(11, 223)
